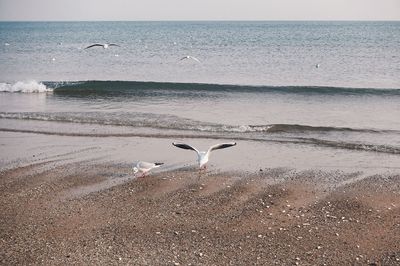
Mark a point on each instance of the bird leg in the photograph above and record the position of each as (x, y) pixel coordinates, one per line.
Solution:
(203, 168)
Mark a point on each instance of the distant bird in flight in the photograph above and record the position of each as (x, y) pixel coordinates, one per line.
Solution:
(190, 57)
(104, 45)
(144, 167)
(203, 156)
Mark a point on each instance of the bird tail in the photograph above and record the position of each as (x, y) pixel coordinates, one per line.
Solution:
(158, 164)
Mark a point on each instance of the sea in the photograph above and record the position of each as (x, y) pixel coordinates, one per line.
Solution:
(313, 95)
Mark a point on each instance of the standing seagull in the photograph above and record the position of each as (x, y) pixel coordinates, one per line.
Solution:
(190, 57)
(144, 167)
(203, 156)
(104, 45)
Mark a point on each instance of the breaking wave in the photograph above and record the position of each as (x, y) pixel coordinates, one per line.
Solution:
(132, 88)
(25, 87)
(163, 121)
(124, 88)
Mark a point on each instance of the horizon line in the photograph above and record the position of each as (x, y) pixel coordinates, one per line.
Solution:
(218, 20)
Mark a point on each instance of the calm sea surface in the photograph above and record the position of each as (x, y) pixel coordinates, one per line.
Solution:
(350, 54)
(316, 91)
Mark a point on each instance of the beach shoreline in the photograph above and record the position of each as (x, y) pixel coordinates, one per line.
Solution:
(313, 107)
(88, 213)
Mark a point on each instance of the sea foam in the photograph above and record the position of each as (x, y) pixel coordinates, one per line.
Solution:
(24, 87)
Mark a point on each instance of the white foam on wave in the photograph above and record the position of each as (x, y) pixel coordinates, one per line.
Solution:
(248, 128)
(24, 87)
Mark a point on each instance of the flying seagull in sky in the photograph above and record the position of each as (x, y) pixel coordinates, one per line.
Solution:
(203, 156)
(190, 57)
(104, 45)
(144, 167)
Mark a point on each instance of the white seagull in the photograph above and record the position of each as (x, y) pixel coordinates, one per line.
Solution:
(104, 45)
(144, 167)
(190, 57)
(203, 156)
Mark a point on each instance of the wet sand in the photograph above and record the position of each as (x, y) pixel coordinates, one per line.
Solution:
(88, 213)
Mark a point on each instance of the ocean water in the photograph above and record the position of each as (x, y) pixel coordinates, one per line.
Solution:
(257, 83)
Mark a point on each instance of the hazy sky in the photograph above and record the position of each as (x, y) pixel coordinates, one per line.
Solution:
(199, 9)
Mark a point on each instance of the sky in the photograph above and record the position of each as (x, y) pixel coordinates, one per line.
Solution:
(115, 10)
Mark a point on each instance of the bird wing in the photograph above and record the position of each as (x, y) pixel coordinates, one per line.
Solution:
(190, 57)
(221, 146)
(185, 146)
(113, 44)
(93, 45)
(194, 58)
(146, 165)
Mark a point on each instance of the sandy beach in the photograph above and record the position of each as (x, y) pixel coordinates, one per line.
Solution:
(87, 213)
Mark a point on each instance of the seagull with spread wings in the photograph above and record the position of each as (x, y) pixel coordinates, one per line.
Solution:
(104, 45)
(190, 57)
(203, 156)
